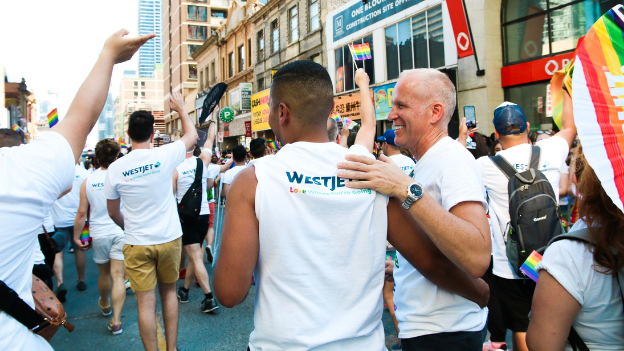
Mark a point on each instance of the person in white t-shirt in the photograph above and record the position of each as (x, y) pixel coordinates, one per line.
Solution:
(315, 248)
(393, 151)
(143, 181)
(239, 154)
(515, 293)
(577, 285)
(107, 237)
(64, 213)
(31, 194)
(446, 198)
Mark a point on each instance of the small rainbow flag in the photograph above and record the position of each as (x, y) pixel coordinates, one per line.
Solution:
(273, 145)
(335, 116)
(528, 267)
(52, 118)
(360, 52)
(84, 235)
(16, 128)
(376, 150)
(349, 123)
(122, 144)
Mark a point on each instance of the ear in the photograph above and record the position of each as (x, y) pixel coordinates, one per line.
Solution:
(528, 127)
(338, 138)
(437, 112)
(497, 135)
(284, 113)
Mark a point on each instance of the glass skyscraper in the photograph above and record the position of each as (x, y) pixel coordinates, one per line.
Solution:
(150, 21)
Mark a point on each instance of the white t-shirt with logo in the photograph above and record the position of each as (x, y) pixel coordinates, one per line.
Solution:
(319, 276)
(186, 177)
(553, 153)
(405, 163)
(229, 176)
(143, 180)
(32, 177)
(100, 223)
(449, 174)
(213, 173)
(65, 208)
(600, 322)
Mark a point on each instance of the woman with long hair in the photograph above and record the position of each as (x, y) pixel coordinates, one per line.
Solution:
(578, 283)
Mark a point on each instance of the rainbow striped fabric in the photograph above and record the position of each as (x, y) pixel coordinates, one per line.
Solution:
(598, 99)
(360, 52)
(349, 123)
(16, 128)
(559, 79)
(528, 267)
(335, 116)
(84, 235)
(273, 145)
(52, 118)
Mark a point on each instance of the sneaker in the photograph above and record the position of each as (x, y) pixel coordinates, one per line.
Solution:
(489, 346)
(127, 284)
(183, 296)
(106, 311)
(71, 250)
(209, 305)
(397, 346)
(61, 292)
(182, 274)
(81, 286)
(115, 328)
(209, 257)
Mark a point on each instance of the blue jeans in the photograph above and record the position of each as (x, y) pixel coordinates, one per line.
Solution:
(64, 236)
(460, 341)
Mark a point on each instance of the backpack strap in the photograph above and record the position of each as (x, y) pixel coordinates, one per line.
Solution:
(14, 306)
(504, 166)
(199, 170)
(535, 158)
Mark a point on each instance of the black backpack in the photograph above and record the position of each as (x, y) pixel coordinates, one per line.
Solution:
(533, 210)
(190, 205)
(583, 235)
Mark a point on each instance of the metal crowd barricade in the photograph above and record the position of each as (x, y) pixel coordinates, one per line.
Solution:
(218, 218)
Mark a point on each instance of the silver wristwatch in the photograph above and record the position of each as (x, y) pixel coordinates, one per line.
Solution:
(414, 193)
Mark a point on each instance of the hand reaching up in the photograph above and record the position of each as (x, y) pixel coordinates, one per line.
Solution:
(122, 49)
(361, 78)
(176, 102)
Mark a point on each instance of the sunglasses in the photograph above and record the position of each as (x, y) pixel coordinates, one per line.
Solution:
(543, 132)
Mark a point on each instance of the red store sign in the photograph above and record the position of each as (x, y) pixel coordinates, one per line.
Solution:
(248, 129)
(460, 27)
(534, 71)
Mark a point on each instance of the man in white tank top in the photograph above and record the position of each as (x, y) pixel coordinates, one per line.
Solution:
(315, 248)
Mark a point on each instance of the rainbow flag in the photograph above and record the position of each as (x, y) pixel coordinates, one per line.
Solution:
(273, 145)
(360, 52)
(598, 98)
(335, 116)
(52, 118)
(349, 123)
(528, 267)
(16, 128)
(84, 235)
(376, 150)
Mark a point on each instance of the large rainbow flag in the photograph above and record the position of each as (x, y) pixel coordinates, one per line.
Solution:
(52, 118)
(598, 100)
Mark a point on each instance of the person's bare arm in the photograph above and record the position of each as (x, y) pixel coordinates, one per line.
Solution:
(464, 132)
(344, 136)
(240, 244)
(568, 128)
(115, 212)
(190, 133)
(564, 184)
(65, 192)
(206, 154)
(81, 217)
(175, 181)
(366, 134)
(226, 188)
(462, 234)
(88, 103)
(552, 313)
(226, 165)
(209, 184)
(418, 249)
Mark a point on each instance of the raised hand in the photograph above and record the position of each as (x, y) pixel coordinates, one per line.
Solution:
(122, 49)
(177, 102)
(361, 78)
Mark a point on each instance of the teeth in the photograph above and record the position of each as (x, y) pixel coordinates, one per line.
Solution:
(398, 127)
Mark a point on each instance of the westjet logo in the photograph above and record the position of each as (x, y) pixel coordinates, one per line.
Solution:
(97, 185)
(192, 171)
(139, 170)
(332, 182)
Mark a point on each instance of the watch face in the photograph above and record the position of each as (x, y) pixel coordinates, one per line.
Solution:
(416, 190)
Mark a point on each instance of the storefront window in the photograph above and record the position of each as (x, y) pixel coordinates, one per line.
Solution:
(535, 28)
(417, 42)
(345, 66)
(532, 99)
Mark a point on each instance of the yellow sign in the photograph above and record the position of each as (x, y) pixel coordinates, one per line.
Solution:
(260, 111)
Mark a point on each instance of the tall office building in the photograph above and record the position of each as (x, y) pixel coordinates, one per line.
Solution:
(106, 122)
(150, 21)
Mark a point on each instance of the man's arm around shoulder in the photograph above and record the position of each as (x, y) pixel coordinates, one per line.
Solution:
(240, 243)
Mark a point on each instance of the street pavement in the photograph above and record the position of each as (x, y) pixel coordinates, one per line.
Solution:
(228, 329)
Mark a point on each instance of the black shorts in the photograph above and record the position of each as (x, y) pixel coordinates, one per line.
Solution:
(464, 341)
(195, 234)
(515, 297)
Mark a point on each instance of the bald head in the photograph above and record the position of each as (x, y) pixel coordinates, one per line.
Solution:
(430, 86)
(9, 138)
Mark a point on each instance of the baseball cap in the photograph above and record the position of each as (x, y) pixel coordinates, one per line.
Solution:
(388, 137)
(508, 114)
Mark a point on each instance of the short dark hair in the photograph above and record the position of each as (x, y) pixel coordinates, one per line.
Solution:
(140, 126)
(9, 138)
(106, 152)
(306, 88)
(239, 153)
(257, 147)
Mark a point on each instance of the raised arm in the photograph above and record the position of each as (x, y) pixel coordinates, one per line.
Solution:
(366, 134)
(81, 217)
(226, 165)
(568, 128)
(190, 133)
(344, 136)
(206, 154)
(420, 251)
(89, 101)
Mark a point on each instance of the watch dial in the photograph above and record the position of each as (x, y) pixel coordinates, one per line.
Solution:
(416, 190)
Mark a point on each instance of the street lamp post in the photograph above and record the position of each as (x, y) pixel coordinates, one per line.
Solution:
(157, 137)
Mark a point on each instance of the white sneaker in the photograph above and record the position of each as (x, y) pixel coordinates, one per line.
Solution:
(127, 284)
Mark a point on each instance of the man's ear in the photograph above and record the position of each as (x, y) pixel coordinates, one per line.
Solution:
(338, 139)
(284, 113)
(437, 112)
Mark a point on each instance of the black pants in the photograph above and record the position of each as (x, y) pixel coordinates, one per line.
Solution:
(458, 341)
(48, 254)
(496, 323)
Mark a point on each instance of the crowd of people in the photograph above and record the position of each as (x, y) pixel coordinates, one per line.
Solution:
(433, 228)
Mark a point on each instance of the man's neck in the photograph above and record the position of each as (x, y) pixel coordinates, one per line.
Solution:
(239, 163)
(189, 154)
(142, 145)
(309, 134)
(508, 142)
(427, 142)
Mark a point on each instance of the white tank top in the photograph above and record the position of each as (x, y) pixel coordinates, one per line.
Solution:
(186, 177)
(100, 223)
(320, 269)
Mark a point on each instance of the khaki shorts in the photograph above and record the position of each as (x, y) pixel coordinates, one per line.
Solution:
(148, 264)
